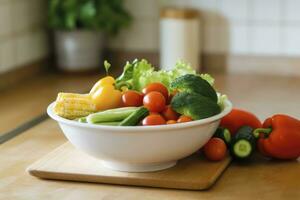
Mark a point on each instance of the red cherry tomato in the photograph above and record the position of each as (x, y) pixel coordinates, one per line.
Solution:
(153, 113)
(184, 118)
(215, 149)
(154, 101)
(158, 87)
(132, 98)
(169, 114)
(151, 120)
(171, 122)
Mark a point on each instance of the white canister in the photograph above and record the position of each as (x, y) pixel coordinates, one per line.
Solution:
(179, 37)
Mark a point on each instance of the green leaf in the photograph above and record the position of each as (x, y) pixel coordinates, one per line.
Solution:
(109, 16)
(141, 73)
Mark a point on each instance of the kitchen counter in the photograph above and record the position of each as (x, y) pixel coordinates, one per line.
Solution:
(22, 103)
(259, 179)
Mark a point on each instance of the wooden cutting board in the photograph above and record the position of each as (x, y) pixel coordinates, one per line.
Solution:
(68, 163)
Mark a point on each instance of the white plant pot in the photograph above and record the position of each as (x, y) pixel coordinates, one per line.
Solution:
(79, 50)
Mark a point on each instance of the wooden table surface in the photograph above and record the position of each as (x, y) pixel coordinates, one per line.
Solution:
(259, 179)
(28, 100)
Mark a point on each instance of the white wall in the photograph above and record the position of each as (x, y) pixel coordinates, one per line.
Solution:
(242, 27)
(23, 38)
(238, 27)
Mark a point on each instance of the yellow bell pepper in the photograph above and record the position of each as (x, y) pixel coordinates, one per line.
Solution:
(108, 80)
(104, 95)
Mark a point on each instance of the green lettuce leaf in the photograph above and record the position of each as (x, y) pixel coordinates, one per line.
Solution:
(222, 98)
(138, 74)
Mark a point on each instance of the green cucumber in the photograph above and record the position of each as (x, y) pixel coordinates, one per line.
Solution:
(135, 117)
(243, 143)
(112, 115)
(122, 109)
(108, 123)
(82, 120)
(224, 134)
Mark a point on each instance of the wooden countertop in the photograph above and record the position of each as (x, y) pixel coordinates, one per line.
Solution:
(28, 100)
(261, 179)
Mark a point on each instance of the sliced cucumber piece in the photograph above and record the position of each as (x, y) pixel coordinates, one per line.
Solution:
(243, 143)
(242, 149)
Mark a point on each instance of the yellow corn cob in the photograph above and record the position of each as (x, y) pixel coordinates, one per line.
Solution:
(71, 105)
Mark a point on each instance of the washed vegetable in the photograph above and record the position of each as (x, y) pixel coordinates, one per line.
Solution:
(132, 98)
(238, 118)
(82, 120)
(280, 137)
(126, 78)
(184, 118)
(105, 96)
(72, 106)
(169, 114)
(138, 74)
(154, 101)
(158, 87)
(243, 143)
(224, 134)
(194, 105)
(108, 123)
(135, 117)
(171, 122)
(108, 80)
(215, 149)
(222, 99)
(111, 115)
(154, 119)
(165, 94)
(194, 84)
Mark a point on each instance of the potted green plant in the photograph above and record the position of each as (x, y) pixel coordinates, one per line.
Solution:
(79, 29)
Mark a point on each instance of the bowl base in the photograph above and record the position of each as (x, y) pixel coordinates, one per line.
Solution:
(127, 167)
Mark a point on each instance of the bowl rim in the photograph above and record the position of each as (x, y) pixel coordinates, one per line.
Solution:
(225, 111)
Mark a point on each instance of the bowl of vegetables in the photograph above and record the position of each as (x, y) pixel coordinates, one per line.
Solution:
(144, 120)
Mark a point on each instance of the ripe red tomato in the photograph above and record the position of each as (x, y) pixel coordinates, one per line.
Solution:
(155, 119)
(154, 101)
(169, 114)
(215, 149)
(158, 87)
(171, 122)
(184, 118)
(153, 113)
(132, 98)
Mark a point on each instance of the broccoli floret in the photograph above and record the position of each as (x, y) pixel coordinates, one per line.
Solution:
(194, 105)
(194, 84)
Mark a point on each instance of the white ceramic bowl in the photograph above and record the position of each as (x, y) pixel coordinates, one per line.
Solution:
(140, 148)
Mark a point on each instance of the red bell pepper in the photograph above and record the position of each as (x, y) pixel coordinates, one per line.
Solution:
(280, 137)
(238, 118)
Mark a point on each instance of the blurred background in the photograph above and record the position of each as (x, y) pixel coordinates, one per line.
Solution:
(257, 36)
